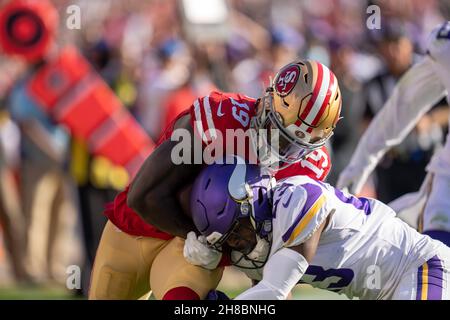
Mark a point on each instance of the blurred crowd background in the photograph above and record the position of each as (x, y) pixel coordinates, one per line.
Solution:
(158, 56)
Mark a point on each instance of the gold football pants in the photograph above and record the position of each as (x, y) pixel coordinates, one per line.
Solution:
(128, 267)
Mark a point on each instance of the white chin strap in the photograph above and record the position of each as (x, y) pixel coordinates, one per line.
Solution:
(254, 261)
(261, 250)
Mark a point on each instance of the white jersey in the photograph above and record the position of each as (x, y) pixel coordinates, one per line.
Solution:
(363, 251)
(417, 91)
(439, 51)
(421, 87)
(415, 94)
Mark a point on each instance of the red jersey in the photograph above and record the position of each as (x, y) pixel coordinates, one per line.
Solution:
(210, 118)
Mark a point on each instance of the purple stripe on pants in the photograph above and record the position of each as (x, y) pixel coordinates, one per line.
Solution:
(435, 281)
(419, 283)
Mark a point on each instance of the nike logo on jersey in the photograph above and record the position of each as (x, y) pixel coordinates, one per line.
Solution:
(219, 110)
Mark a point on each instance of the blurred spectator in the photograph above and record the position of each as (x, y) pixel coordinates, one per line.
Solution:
(11, 217)
(43, 147)
(163, 71)
(181, 98)
(347, 132)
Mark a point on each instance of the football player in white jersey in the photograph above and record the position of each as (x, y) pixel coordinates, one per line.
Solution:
(417, 91)
(315, 234)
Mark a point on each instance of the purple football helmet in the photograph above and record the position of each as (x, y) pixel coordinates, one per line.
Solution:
(225, 192)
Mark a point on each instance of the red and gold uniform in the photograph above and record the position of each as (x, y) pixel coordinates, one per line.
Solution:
(134, 257)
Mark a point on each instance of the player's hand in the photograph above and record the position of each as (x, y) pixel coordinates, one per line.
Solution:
(197, 252)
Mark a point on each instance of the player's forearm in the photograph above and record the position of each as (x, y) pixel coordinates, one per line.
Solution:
(281, 273)
(160, 208)
(166, 214)
(153, 192)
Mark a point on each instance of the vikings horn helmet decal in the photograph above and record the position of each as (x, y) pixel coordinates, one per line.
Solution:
(224, 194)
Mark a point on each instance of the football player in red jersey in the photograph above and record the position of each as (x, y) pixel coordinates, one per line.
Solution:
(142, 244)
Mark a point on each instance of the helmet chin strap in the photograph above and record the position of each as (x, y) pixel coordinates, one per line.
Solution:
(256, 258)
(260, 251)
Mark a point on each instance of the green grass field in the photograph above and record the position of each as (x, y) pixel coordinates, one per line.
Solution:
(36, 293)
(57, 293)
(233, 283)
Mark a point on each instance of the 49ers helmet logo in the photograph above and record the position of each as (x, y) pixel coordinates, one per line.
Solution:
(287, 79)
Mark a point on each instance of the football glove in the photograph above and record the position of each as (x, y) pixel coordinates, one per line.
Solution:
(197, 252)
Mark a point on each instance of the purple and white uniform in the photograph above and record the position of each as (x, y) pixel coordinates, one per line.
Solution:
(365, 251)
